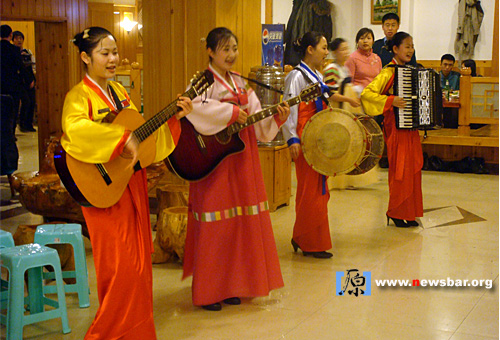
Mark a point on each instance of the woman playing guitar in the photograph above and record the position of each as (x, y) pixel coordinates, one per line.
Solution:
(120, 234)
(230, 248)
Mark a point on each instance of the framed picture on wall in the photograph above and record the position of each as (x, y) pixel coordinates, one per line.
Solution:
(382, 7)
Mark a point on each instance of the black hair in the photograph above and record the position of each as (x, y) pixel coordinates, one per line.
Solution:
(448, 57)
(389, 16)
(397, 40)
(472, 65)
(5, 31)
(311, 38)
(362, 32)
(87, 40)
(218, 37)
(335, 44)
(16, 34)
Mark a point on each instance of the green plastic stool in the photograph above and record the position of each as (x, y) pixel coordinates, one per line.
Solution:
(32, 258)
(67, 233)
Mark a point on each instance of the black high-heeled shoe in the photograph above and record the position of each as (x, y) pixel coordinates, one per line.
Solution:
(316, 254)
(399, 223)
(214, 307)
(412, 223)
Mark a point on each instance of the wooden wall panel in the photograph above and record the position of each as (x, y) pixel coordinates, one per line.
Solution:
(198, 24)
(101, 14)
(251, 36)
(173, 47)
(177, 41)
(157, 56)
(51, 86)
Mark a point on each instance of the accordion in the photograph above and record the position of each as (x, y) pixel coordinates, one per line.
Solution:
(421, 90)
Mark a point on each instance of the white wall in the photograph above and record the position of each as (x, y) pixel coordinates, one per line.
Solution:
(432, 23)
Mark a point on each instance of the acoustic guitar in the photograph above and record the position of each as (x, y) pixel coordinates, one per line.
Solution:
(102, 185)
(197, 155)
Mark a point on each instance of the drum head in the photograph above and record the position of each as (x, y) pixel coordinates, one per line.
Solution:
(333, 142)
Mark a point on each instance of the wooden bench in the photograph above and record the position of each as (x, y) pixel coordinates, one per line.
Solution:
(478, 105)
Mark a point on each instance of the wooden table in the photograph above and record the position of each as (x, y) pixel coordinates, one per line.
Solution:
(454, 103)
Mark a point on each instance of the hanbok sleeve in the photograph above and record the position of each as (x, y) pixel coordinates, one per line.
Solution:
(84, 139)
(292, 89)
(331, 76)
(210, 115)
(167, 138)
(374, 102)
(266, 129)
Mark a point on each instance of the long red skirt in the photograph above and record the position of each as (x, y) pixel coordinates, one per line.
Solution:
(311, 230)
(122, 245)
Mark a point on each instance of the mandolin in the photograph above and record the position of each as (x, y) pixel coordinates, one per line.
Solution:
(197, 155)
(102, 185)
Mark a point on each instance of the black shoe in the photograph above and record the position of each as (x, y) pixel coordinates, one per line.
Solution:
(412, 223)
(232, 301)
(399, 223)
(215, 307)
(318, 254)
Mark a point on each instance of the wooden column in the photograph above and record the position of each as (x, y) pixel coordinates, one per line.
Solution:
(269, 12)
(465, 103)
(494, 52)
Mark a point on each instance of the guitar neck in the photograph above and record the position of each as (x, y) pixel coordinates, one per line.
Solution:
(263, 114)
(153, 124)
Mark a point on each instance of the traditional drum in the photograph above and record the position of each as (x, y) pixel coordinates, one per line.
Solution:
(335, 141)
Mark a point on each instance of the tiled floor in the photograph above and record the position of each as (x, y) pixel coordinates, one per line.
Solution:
(459, 241)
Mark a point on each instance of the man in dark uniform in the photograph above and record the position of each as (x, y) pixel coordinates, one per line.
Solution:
(11, 65)
(390, 26)
(13, 72)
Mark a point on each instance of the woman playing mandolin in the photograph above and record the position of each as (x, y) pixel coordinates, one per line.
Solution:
(230, 248)
(120, 234)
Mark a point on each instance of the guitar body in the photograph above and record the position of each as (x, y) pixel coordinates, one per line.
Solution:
(84, 181)
(196, 155)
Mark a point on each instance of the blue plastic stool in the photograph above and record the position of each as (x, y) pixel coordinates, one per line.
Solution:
(6, 241)
(72, 234)
(32, 258)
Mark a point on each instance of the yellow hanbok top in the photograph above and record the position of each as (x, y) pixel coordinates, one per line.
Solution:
(88, 137)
